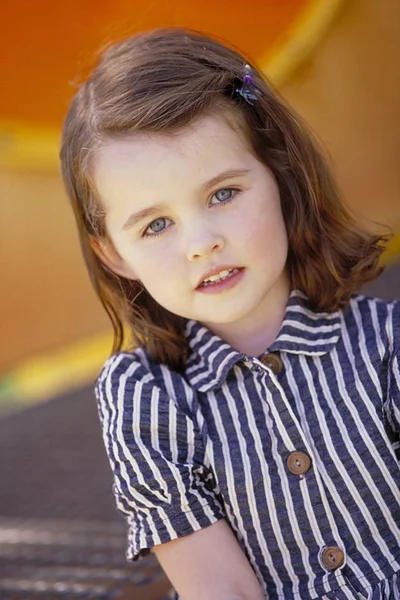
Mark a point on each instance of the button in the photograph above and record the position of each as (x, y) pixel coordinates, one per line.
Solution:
(272, 361)
(298, 463)
(332, 558)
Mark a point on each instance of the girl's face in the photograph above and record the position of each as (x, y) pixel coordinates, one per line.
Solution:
(182, 206)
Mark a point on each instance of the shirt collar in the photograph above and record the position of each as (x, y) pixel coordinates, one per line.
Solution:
(303, 331)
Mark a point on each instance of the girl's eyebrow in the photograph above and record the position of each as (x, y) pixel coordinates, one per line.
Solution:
(225, 175)
(157, 208)
(142, 214)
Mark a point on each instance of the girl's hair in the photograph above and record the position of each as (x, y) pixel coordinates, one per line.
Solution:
(160, 82)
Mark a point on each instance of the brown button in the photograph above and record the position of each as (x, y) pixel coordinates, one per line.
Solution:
(332, 558)
(298, 463)
(272, 361)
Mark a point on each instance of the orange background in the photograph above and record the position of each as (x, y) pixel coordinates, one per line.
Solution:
(48, 44)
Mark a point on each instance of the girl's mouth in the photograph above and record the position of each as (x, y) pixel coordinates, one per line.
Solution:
(224, 280)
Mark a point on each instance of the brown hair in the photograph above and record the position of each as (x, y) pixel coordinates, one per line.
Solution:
(159, 82)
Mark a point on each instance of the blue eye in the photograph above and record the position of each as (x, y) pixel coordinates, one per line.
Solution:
(156, 227)
(224, 195)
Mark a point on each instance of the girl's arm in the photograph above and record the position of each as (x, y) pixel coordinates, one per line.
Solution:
(209, 565)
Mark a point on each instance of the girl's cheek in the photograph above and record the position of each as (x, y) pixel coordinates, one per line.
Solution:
(254, 227)
(155, 256)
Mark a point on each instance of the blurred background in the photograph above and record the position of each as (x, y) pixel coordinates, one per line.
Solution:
(336, 61)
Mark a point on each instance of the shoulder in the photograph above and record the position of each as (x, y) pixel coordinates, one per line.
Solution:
(373, 319)
(369, 306)
(147, 409)
(128, 378)
(130, 367)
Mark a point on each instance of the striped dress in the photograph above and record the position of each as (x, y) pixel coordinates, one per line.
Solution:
(298, 449)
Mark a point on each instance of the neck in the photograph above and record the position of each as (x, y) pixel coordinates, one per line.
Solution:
(253, 334)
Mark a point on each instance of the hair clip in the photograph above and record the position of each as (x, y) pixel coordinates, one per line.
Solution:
(248, 90)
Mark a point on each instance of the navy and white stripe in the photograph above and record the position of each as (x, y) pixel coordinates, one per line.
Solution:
(188, 450)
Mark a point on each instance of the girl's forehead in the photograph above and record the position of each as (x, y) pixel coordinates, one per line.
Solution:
(148, 160)
(199, 140)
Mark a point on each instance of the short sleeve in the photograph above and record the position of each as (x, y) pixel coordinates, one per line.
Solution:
(161, 484)
(393, 398)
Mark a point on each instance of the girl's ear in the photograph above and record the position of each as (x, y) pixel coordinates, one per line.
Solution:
(108, 255)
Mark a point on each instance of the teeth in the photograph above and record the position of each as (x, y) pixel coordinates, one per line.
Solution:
(220, 276)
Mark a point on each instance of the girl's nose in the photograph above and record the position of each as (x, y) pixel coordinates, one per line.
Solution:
(205, 246)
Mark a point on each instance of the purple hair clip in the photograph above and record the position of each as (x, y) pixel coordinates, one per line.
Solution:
(248, 89)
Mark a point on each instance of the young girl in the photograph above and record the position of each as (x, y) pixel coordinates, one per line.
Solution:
(253, 427)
